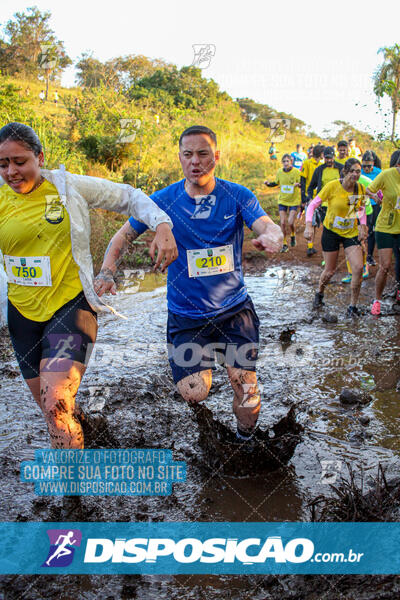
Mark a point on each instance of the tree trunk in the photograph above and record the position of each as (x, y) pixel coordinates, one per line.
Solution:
(393, 126)
(47, 83)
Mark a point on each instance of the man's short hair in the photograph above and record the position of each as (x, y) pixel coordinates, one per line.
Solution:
(342, 143)
(318, 150)
(197, 129)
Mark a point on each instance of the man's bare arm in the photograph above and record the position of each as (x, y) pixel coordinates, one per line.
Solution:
(269, 234)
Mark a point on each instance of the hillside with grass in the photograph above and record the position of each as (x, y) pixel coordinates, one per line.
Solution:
(129, 133)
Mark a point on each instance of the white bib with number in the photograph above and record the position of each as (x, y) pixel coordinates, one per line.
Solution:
(29, 270)
(287, 189)
(210, 261)
(398, 203)
(343, 224)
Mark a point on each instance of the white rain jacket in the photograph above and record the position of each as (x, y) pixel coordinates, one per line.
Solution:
(79, 193)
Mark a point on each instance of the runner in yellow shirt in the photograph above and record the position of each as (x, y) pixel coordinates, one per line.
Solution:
(385, 189)
(354, 150)
(52, 298)
(345, 199)
(289, 199)
(342, 153)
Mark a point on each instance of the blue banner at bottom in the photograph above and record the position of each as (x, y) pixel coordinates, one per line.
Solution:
(200, 548)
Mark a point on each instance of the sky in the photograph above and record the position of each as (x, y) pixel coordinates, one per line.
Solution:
(312, 59)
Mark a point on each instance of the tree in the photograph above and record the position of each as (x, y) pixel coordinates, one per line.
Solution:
(32, 50)
(186, 87)
(387, 81)
(119, 73)
(346, 131)
(262, 113)
(92, 73)
(13, 107)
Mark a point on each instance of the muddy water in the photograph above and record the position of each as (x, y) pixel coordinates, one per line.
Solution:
(131, 402)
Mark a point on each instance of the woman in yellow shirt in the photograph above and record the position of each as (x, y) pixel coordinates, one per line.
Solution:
(385, 190)
(52, 299)
(345, 199)
(289, 199)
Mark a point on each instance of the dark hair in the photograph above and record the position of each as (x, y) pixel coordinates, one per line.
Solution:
(342, 143)
(18, 132)
(395, 158)
(318, 150)
(347, 166)
(377, 160)
(368, 156)
(197, 129)
(287, 156)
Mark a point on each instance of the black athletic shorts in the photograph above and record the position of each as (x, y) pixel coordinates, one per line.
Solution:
(68, 336)
(387, 240)
(330, 241)
(233, 335)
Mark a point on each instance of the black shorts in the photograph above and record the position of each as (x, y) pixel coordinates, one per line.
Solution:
(69, 335)
(330, 241)
(192, 343)
(387, 240)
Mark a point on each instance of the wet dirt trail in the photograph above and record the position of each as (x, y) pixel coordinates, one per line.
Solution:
(129, 400)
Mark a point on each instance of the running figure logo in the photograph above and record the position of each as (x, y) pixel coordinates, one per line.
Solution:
(204, 205)
(279, 129)
(203, 54)
(64, 346)
(62, 546)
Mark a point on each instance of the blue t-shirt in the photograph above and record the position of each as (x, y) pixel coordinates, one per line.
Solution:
(206, 222)
(372, 175)
(298, 158)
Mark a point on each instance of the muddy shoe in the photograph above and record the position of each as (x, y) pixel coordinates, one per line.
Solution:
(311, 251)
(246, 443)
(352, 311)
(318, 300)
(285, 248)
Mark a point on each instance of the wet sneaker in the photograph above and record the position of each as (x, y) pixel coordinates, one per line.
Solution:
(347, 279)
(284, 248)
(318, 300)
(365, 272)
(393, 292)
(352, 311)
(246, 442)
(292, 241)
(311, 251)
(376, 308)
(370, 261)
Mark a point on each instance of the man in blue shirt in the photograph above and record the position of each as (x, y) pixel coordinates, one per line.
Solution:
(298, 157)
(209, 308)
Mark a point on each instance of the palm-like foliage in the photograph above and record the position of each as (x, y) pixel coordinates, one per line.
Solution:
(387, 81)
